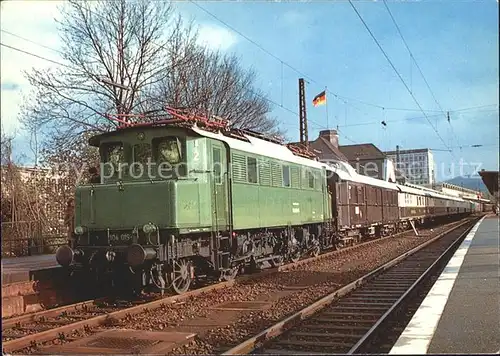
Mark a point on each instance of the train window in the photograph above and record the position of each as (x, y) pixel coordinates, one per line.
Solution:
(168, 150)
(286, 176)
(113, 153)
(113, 156)
(217, 165)
(311, 179)
(142, 151)
(252, 170)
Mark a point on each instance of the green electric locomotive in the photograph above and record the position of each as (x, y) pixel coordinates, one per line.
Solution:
(188, 199)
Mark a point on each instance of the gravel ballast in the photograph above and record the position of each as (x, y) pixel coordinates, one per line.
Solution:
(286, 292)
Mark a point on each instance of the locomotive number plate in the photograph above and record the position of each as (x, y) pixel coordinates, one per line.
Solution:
(120, 237)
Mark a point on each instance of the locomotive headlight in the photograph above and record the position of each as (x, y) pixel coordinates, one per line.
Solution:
(64, 255)
(149, 228)
(110, 256)
(79, 230)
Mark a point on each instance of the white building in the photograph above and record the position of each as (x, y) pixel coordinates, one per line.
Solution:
(416, 165)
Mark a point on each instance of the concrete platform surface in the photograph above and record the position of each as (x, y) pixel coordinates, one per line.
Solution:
(30, 263)
(25, 269)
(461, 313)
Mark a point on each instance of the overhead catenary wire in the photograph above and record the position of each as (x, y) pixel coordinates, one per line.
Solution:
(398, 74)
(283, 62)
(265, 98)
(70, 67)
(36, 55)
(338, 96)
(413, 58)
(367, 123)
(446, 115)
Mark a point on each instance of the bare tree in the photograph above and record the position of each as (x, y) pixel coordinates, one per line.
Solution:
(126, 58)
(217, 84)
(28, 203)
(114, 50)
(120, 55)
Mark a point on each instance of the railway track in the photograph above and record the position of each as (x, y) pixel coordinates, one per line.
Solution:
(30, 330)
(357, 316)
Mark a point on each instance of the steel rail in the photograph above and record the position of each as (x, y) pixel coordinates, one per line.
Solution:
(286, 324)
(30, 317)
(408, 292)
(47, 335)
(12, 321)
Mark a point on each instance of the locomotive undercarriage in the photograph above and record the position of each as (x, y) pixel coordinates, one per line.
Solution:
(176, 263)
(167, 262)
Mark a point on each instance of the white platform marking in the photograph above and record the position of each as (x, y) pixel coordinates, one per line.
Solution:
(418, 334)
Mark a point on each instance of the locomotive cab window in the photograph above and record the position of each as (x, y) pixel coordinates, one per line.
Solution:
(217, 165)
(142, 154)
(286, 176)
(113, 153)
(310, 177)
(113, 157)
(168, 150)
(142, 151)
(252, 170)
(168, 154)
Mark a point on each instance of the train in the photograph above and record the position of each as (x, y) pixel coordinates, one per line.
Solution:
(216, 201)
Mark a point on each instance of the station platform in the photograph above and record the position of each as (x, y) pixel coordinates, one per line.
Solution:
(31, 284)
(24, 269)
(461, 313)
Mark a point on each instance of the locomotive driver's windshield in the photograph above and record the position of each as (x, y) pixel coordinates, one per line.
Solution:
(160, 158)
(115, 154)
(168, 151)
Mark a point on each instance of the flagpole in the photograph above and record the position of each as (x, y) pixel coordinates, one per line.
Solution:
(326, 108)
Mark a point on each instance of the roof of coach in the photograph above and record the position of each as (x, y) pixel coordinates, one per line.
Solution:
(427, 192)
(346, 172)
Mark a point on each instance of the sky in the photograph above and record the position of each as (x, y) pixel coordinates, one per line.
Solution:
(454, 44)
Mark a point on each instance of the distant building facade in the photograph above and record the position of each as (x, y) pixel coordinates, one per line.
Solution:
(366, 159)
(416, 165)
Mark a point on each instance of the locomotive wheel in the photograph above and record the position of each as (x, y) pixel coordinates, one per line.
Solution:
(229, 274)
(295, 255)
(316, 250)
(276, 261)
(181, 276)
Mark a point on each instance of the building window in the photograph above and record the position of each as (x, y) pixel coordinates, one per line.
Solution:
(252, 170)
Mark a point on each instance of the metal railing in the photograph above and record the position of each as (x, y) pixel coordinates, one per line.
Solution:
(27, 238)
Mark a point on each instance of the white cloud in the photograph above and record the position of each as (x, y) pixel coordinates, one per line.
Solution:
(215, 37)
(34, 21)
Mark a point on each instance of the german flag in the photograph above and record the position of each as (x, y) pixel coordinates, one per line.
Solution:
(320, 99)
